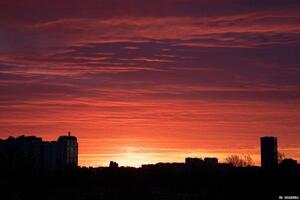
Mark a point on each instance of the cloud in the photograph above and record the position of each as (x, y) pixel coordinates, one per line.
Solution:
(43, 10)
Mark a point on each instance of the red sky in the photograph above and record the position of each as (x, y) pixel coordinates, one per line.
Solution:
(143, 82)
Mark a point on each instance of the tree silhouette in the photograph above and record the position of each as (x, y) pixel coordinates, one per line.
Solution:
(281, 157)
(238, 161)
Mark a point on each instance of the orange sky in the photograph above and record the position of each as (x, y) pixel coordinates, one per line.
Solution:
(158, 131)
(144, 82)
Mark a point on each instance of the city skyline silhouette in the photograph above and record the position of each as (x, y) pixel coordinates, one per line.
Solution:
(32, 169)
(63, 153)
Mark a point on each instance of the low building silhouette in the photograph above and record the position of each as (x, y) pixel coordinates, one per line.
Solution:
(113, 165)
(201, 162)
(289, 164)
(30, 153)
(193, 162)
(269, 152)
(211, 161)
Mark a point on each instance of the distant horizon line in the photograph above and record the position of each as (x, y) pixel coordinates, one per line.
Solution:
(257, 162)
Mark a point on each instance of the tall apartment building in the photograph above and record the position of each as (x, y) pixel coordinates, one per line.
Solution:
(33, 154)
(269, 153)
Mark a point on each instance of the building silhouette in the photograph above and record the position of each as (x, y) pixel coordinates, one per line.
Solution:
(269, 153)
(200, 162)
(113, 165)
(289, 163)
(67, 151)
(30, 153)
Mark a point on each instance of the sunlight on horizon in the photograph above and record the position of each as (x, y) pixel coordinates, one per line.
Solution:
(132, 159)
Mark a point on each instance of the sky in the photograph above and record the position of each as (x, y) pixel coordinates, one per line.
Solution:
(152, 81)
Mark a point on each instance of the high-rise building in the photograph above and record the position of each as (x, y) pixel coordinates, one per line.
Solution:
(31, 153)
(68, 151)
(269, 153)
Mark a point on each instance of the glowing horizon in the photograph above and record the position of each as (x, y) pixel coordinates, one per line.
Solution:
(131, 155)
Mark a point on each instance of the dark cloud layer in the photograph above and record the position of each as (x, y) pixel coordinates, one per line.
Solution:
(44, 10)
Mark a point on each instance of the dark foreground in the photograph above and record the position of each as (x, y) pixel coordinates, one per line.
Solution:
(155, 183)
